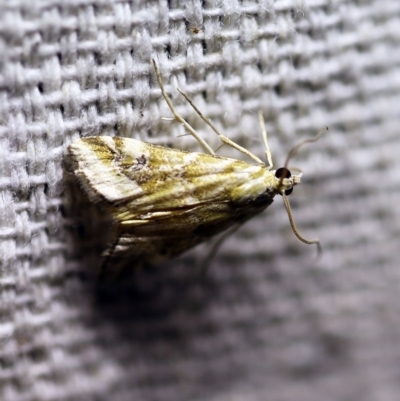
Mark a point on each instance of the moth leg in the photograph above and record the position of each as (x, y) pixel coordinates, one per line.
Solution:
(105, 270)
(265, 138)
(215, 248)
(223, 138)
(110, 268)
(177, 116)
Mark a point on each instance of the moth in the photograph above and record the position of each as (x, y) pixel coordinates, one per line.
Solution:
(164, 201)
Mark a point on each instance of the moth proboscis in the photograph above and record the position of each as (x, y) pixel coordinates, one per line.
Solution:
(164, 201)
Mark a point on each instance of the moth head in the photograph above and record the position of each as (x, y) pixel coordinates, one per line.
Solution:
(285, 181)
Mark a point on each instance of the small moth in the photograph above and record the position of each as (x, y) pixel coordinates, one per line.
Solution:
(164, 201)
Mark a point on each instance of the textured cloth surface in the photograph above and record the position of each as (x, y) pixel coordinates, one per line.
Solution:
(269, 321)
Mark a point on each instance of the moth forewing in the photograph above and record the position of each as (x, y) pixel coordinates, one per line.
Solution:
(143, 182)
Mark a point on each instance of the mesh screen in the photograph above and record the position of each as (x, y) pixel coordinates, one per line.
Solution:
(269, 320)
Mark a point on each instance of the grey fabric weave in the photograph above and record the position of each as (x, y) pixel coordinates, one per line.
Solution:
(269, 321)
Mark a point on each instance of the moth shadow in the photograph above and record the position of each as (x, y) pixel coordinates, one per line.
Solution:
(158, 304)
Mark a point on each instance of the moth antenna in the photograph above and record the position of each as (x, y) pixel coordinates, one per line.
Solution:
(294, 228)
(297, 147)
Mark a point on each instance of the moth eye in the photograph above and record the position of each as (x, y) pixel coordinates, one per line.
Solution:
(284, 173)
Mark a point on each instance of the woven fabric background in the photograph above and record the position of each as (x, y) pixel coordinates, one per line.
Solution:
(269, 321)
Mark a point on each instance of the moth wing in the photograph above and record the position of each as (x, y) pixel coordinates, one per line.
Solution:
(162, 238)
(136, 178)
(164, 200)
(95, 161)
